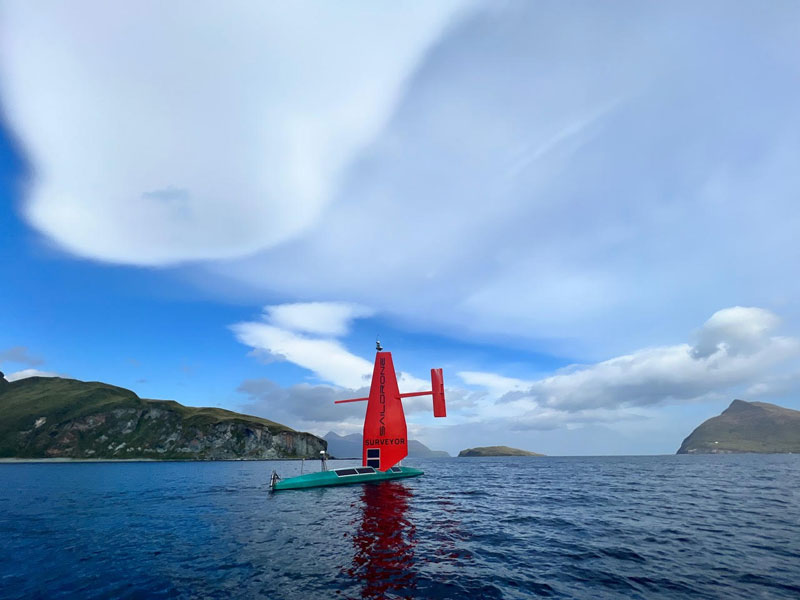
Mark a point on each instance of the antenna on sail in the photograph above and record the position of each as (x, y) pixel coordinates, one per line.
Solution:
(378, 346)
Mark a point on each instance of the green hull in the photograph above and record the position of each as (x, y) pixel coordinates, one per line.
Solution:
(343, 477)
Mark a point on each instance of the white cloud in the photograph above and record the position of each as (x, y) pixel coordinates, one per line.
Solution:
(497, 385)
(25, 373)
(587, 193)
(778, 387)
(579, 179)
(162, 133)
(327, 359)
(536, 418)
(285, 336)
(737, 330)
(629, 403)
(321, 318)
(744, 353)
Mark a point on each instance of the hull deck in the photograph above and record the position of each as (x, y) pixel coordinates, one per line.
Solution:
(344, 476)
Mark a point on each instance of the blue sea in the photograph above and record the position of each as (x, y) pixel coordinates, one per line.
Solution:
(724, 526)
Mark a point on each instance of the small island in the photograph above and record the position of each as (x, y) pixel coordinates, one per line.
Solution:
(496, 451)
(747, 427)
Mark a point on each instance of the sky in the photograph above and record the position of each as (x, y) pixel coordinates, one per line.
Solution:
(586, 214)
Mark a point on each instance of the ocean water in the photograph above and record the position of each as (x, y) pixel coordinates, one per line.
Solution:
(604, 527)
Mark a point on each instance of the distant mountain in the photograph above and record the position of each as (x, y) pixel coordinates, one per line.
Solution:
(417, 449)
(51, 417)
(746, 427)
(350, 446)
(496, 451)
(343, 446)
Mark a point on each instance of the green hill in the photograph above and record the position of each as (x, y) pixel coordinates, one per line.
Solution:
(496, 451)
(51, 417)
(746, 427)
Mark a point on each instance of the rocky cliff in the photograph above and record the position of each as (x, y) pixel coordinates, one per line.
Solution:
(65, 418)
(746, 427)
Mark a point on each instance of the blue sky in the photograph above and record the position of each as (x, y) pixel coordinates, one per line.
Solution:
(587, 217)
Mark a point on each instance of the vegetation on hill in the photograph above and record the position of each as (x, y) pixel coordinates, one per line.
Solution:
(496, 451)
(48, 417)
(746, 427)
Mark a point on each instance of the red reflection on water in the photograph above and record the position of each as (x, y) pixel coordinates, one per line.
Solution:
(384, 542)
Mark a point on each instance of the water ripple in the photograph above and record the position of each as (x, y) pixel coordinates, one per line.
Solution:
(607, 527)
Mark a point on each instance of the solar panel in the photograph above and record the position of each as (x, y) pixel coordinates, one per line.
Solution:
(341, 472)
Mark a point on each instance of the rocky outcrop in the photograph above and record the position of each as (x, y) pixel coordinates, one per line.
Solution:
(496, 451)
(746, 427)
(63, 418)
(158, 433)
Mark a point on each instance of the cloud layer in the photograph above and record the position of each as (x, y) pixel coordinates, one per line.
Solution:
(195, 131)
(736, 350)
(588, 180)
(506, 170)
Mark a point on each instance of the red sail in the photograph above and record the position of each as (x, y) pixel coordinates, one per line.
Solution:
(437, 389)
(385, 439)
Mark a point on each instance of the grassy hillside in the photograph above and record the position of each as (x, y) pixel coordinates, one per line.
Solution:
(746, 427)
(49, 417)
(496, 451)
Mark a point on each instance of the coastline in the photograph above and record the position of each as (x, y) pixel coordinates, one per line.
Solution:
(129, 460)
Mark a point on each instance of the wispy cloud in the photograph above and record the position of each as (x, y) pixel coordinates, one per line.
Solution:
(321, 318)
(26, 373)
(633, 185)
(228, 132)
(327, 359)
(304, 334)
(21, 355)
(492, 382)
